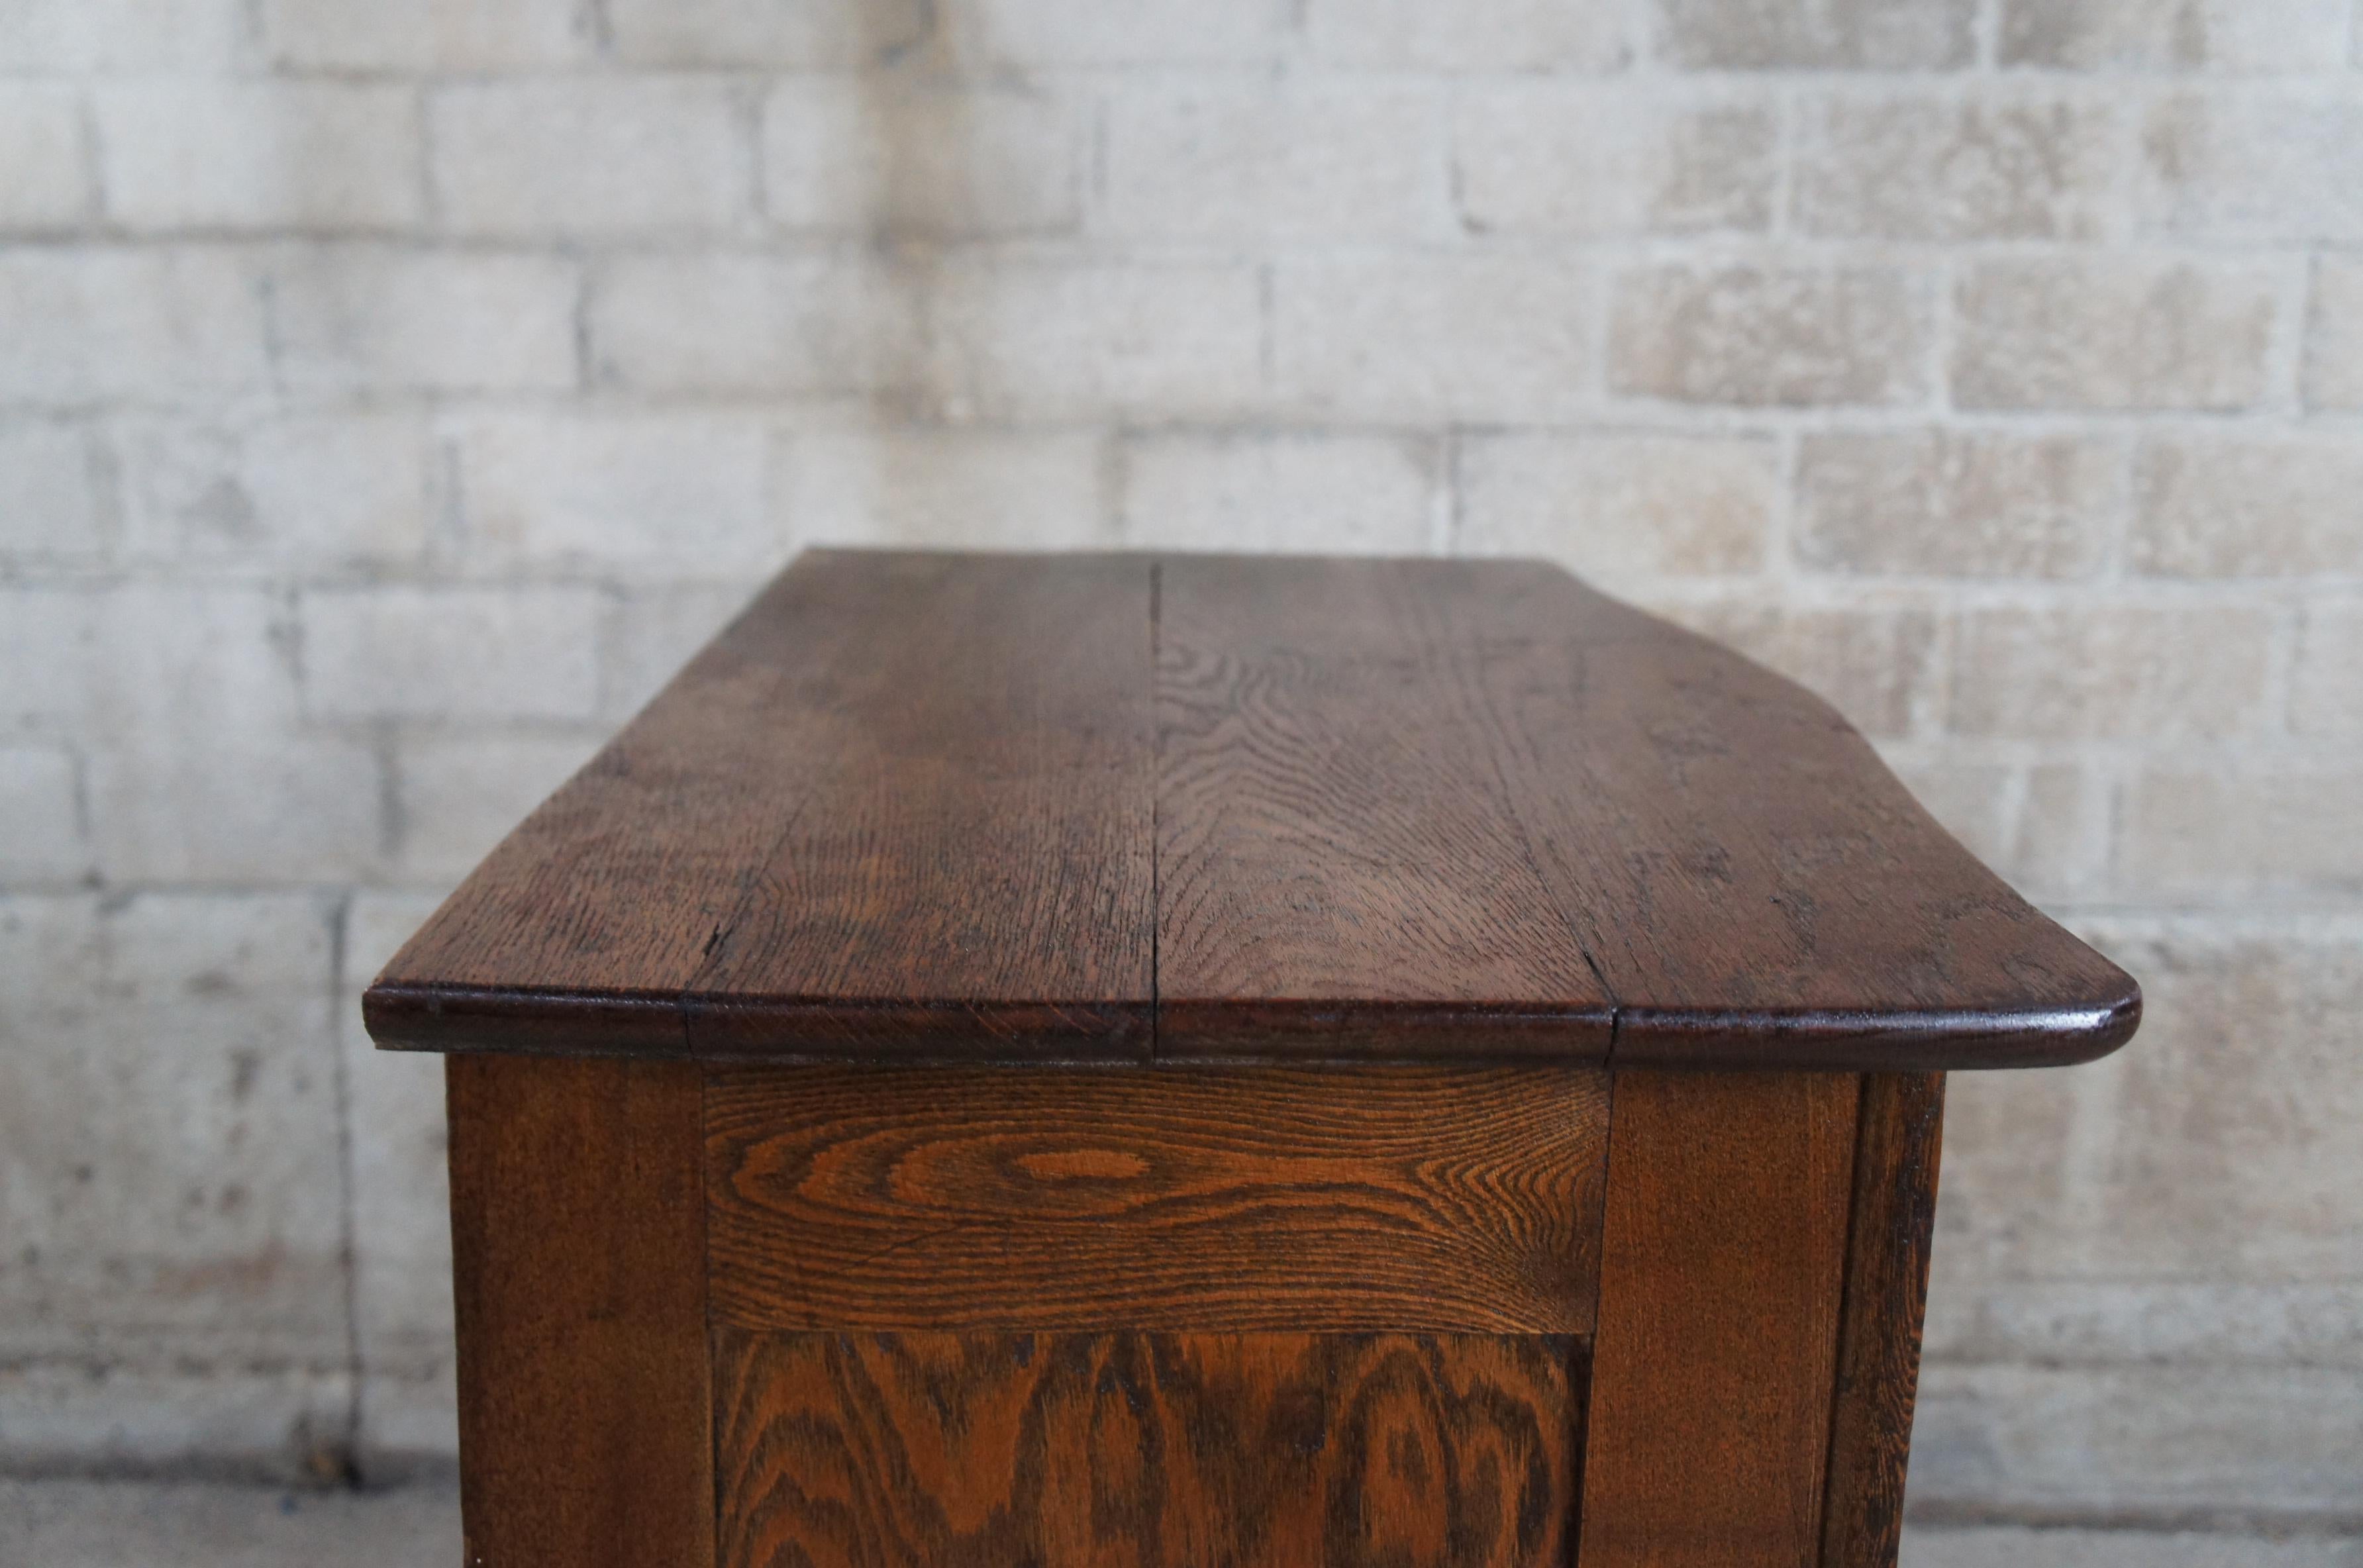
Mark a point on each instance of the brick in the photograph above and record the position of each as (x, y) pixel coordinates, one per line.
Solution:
(2334, 348)
(723, 322)
(1975, 1317)
(1487, 35)
(2017, 167)
(742, 34)
(2166, 1441)
(1594, 160)
(199, 768)
(2117, 333)
(148, 1412)
(1816, 35)
(2043, 826)
(1216, 160)
(194, 652)
(2230, 1153)
(2111, 672)
(457, 796)
(2262, 163)
(1956, 503)
(616, 489)
(422, 35)
(1758, 336)
(1875, 663)
(450, 653)
(45, 181)
(2218, 506)
(872, 155)
(2261, 832)
(328, 489)
(80, 36)
(1053, 340)
(973, 489)
(182, 1201)
(1435, 337)
(2327, 698)
(49, 648)
(1298, 493)
(402, 1230)
(2192, 35)
(409, 1429)
(1620, 506)
(589, 155)
(1064, 33)
(93, 322)
(197, 154)
(372, 318)
(49, 506)
(41, 836)
(652, 629)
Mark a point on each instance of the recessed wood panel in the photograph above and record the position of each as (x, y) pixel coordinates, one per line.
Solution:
(1388, 1198)
(579, 1262)
(1145, 1450)
(1723, 1254)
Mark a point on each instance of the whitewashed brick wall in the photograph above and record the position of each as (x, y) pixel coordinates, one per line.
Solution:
(393, 392)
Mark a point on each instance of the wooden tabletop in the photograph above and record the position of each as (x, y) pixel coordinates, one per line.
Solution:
(1132, 808)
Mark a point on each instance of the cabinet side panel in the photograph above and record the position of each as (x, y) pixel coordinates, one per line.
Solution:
(1134, 1450)
(1896, 1151)
(1723, 1258)
(578, 1238)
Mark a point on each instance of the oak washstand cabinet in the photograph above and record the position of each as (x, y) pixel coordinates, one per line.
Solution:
(1198, 1061)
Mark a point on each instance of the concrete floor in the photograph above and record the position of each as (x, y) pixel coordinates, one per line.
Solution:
(91, 1524)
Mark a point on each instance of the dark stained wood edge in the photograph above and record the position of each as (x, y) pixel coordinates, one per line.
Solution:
(1037, 1032)
(578, 1232)
(406, 1017)
(1901, 1040)
(457, 1018)
(1899, 1136)
(463, 1019)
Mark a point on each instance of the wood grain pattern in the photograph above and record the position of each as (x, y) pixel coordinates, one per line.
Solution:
(1897, 1144)
(900, 807)
(1395, 1196)
(578, 1252)
(1145, 1450)
(1332, 831)
(1100, 807)
(1723, 1252)
(1746, 879)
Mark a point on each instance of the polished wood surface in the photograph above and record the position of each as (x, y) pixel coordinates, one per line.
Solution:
(578, 1273)
(1723, 1258)
(1339, 868)
(1899, 1135)
(1145, 1450)
(1109, 807)
(900, 806)
(1395, 1196)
